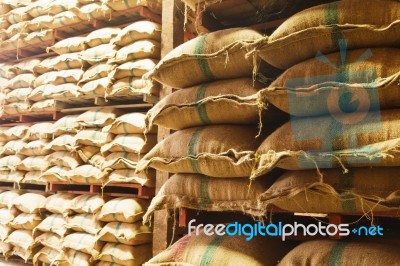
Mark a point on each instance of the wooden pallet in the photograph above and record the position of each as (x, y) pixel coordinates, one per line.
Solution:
(113, 190)
(87, 100)
(34, 187)
(30, 118)
(139, 107)
(117, 18)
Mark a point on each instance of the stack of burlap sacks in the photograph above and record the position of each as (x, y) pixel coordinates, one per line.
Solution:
(342, 117)
(108, 62)
(66, 229)
(24, 23)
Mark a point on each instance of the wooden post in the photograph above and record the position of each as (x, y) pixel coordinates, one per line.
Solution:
(172, 36)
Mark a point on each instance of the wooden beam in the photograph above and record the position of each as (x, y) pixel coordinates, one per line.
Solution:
(172, 36)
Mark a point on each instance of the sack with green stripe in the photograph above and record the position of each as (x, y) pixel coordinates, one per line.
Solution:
(55, 174)
(98, 54)
(121, 160)
(361, 190)
(69, 61)
(75, 257)
(96, 87)
(26, 221)
(136, 68)
(93, 137)
(83, 242)
(330, 252)
(99, 117)
(217, 55)
(119, 254)
(69, 45)
(147, 179)
(18, 95)
(132, 87)
(221, 102)
(204, 193)
(37, 24)
(49, 105)
(13, 147)
(314, 87)
(7, 198)
(17, 108)
(30, 202)
(50, 256)
(101, 36)
(88, 203)
(21, 238)
(88, 174)
(7, 215)
(10, 162)
(59, 77)
(138, 50)
(93, 10)
(64, 142)
(36, 148)
(34, 163)
(131, 123)
(320, 28)
(97, 71)
(216, 151)
(125, 210)
(131, 143)
(12, 176)
(153, 5)
(62, 19)
(138, 30)
(54, 223)
(49, 240)
(65, 159)
(217, 250)
(15, 132)
(21, 81)
(85, 223)
(35, 38)
(60, 203)
(126, 233)
(340, 141)
(40, 131)
(66, 124)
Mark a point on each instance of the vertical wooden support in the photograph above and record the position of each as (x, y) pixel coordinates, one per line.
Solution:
(172, 36)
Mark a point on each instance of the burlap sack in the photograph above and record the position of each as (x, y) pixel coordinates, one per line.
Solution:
(69, 45)
(131, 123)
(39, 23)
(17, 108)
(87, 152)
(121, 160)
(362, 190)
(96, 87)
(197, 152)
(59, 77)
(14, 43)
(35, 37)
(38, 8)
(67, 124)
(26, 221)
(88, 174)
(131, 143)
(8, 215)
(126, 233)
(22, 81)
(4, 8)
(329, 252)
(139, 49)
(33, 177)
(17, 15)
(40, 131)
(60, 203)
(97, 71)
(14, 29)
(54, 223)
(126, 210)
(326, 142)
(18, 95)
(12, 176)
(101, 36)
(99, 117)
(36, 148)
(218, 55)
(69, 61)
(58, 6)
(153, 5)
(7, 198)
(87, 223)
(62, 143)
(46, 65)
(22, 239)
(313, 87)
(203, 193)
(87, 204)
(16, 132)
(132, 87)
(5, 71)
(49, 105)
(221, 102)
(10, 162)
(323, 27)
(83, 242)
(50, 256)
(5, 232)
(125, 255)
(136, 68)
(130, 176)
(13, 147)
(138, 30)
(63, 19)
(222, 250)
(78, 258)
(30, 203)
(93, 137)
(99, 53)
(49, 240)
(34, 163)
(26, 255)
(6, 250)
(55, 174)
(25, 66)
(94, 11)
(105, 263)
(4, 24)
(64, 158)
